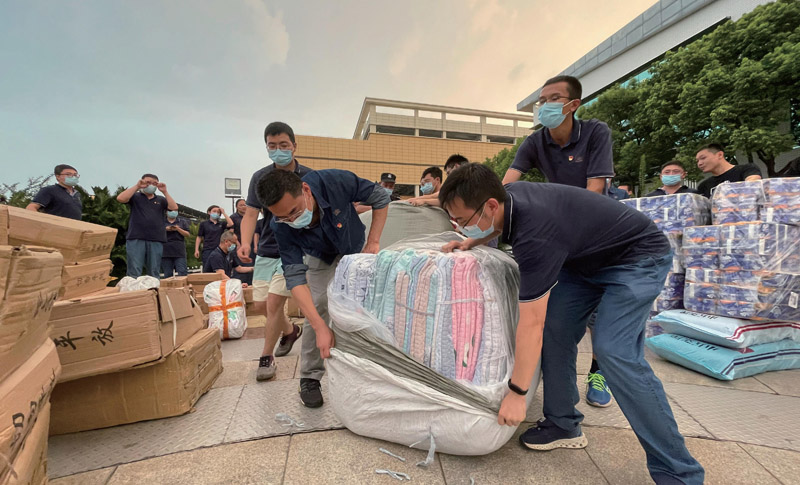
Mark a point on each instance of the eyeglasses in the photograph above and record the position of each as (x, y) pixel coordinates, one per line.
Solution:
(295, 213)
(466, 223)
(552, 99)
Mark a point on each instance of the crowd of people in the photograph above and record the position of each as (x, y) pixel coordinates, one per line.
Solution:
(584, 260)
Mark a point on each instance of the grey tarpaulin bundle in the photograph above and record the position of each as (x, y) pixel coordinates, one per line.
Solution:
(425, 344)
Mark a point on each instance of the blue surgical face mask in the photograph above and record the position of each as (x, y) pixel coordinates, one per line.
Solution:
(150, 189)
(72, 181)
(214, 216)
(304, 219)
(670, 180)
(281, 158)
(388, 190)
(172, 214)
(427, 188)
(474, 231)
(231, 248)
(550, 115)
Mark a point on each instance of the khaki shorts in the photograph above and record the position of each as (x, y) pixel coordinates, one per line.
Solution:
(268, 278)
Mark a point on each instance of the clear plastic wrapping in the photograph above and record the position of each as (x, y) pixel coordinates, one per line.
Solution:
(226, 309)
(674, 212)
(671, 296)
(768, 200)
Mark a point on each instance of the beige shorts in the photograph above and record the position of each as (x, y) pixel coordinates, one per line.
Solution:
(268, 278)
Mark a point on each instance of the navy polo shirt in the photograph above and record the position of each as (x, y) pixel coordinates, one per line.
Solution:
(683, 190)
(339, 230)
(587, 155)
(267, 245)
(175, 247)
(147, 218)
(551, 226)
(211, 232)
(218, 259)
(57, 201)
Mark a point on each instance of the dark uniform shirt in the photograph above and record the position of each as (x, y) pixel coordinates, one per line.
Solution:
(218, 259)
(683, 190)
(551, 227)
(147, 218)
(211, 232)
(57, 201)
(737, 173)
(175, 247)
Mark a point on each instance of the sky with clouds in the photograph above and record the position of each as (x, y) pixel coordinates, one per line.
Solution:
(184, 88)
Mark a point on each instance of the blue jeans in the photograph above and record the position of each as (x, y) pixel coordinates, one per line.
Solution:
(170, 266)
(144, 253)
(622, 296)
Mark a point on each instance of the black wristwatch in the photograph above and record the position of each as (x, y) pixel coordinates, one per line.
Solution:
(516, 389)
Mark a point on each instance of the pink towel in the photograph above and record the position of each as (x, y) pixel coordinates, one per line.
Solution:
(476, 319)
(419, 317)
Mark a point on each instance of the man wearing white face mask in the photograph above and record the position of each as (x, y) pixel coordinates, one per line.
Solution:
(60, 199)
(672, 176)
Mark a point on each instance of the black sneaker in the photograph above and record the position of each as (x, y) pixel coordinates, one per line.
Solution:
(310, 393)
(547, 436)
(287, 341)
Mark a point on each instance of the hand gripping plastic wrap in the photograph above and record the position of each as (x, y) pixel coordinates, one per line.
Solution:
(226, 309)
(747, 270)
(769, 200)
(425, 344)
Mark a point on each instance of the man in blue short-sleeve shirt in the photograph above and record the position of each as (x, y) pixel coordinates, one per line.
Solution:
(173, 257)
(60, 199)
(315, 224)
(577, 252)
(146, 230)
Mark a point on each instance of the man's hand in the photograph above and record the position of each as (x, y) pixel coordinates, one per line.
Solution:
(416, 202)
(170, 228)
(141, 184)
(464, 245)
(512, 410)
(162, 187)
(325, 341)
(196, 253)
(372, 247)
(244, 254)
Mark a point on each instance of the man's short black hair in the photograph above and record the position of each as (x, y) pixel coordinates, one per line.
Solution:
(574, 88)
(435, 172)
(712, 147)
(212, 207)
(274, 185)
(149, 175)
(474, 184)
(455, 160)
(276, 128)
(672, 162)
(60, 168)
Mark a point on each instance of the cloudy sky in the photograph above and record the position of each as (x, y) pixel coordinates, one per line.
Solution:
(184, 88)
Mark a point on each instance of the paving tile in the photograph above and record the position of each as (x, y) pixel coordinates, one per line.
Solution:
(585, 345)
(622, 460)
(256, 321)
(90, 450)
(343, 457)
(240, 350)
(514, 464)
(240, 373)
(261, 462)
(783, 464)
(96, 477)
(785, 382)
(747, 417)
(669, 372)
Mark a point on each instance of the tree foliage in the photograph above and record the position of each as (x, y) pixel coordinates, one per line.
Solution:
(504, 158)
(736, 85)
(19, 194)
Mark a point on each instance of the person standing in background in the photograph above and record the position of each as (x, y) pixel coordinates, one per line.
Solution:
(711, 159)
(672, 176)
(173, 258)
(210, 231)
(60, 199)
(245, 277)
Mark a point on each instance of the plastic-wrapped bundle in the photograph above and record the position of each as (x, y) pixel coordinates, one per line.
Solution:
(675, 239)
(671, 296)
(734, 333)
(226, 310)
(781, 200)
(737, 202)
(701, 245)
(674, 212)
(141, 283)
(429, 349)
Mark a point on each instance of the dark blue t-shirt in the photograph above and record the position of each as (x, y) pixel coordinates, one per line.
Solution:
(587, 155)
(267, 245)
(237, 225)
(147, 218)
(218, 259)
(552, 226)
(57, 201)
(175, 247)
(211, 232)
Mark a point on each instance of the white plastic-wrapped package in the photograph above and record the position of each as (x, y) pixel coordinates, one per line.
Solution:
(425, 344)
(405, 220)
(226, 308)
(141, 283)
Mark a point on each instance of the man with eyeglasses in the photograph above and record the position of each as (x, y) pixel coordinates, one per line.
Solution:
(672, 176)
(315, 224)
(60, 199)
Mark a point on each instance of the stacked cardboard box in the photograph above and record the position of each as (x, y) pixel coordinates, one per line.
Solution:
(29, 366)
(85, 247)
(196, 281)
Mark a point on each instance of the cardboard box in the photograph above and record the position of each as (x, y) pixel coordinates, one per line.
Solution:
(175, 282)
(170, 388)
(31, 463)
(78, 242)
(117, 331)
(84, 278)
(23, 395)
(202, 279)
(3, 225)
(29, 281)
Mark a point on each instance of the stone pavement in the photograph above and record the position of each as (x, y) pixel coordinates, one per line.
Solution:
(745, 431)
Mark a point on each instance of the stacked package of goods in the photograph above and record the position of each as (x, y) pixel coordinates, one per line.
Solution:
(742, 278)
(30, 280)
(673, 213)
(424, 344)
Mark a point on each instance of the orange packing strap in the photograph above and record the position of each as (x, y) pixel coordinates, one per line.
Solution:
(224, 308)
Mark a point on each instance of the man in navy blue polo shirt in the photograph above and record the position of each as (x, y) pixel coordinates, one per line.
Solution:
(146, 230)
(173, 257)
(269, 286)
(221, 259)
(314, 217)
(611, 258)
(60, 199)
